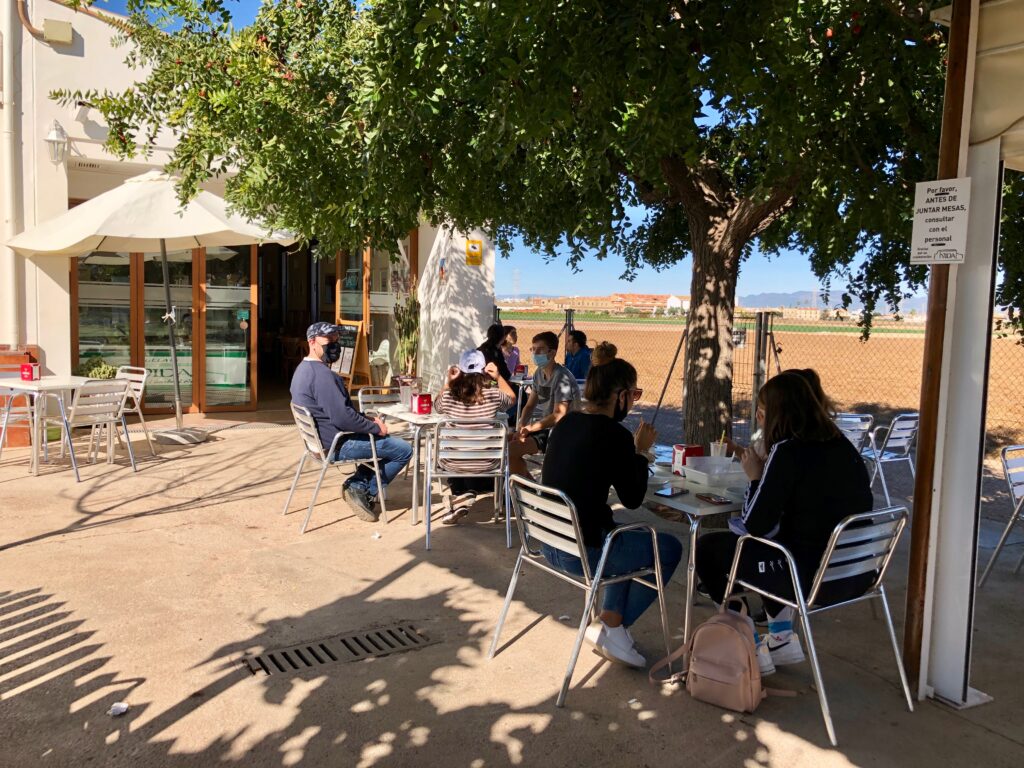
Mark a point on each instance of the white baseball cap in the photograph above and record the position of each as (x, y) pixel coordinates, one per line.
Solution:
(472, 361)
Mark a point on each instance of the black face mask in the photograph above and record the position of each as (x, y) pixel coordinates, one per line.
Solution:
(332, 352)
(621, 411)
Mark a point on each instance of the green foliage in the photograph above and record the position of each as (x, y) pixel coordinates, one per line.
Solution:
(96, 368)
(407, 328)
(801, 125)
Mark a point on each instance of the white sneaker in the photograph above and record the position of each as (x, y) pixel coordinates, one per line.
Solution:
(784, 648)
(614, 644)
(764, 658)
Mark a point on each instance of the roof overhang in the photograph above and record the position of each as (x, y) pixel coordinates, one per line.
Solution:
(998, 106)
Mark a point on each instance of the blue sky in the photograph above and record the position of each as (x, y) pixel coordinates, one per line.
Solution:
(786, 273)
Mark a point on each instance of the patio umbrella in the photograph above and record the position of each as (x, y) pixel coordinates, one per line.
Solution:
(145, 214)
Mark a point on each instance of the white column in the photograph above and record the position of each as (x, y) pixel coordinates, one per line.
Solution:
(455, 307)
(10, 163)
(961, 439)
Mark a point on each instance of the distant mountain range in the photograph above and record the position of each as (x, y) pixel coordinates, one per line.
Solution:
(794, 299)
(809, 299)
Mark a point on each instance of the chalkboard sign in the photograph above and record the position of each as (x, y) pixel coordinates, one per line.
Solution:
(353, 358)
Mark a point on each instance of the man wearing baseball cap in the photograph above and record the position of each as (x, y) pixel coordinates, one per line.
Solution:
(316, 387)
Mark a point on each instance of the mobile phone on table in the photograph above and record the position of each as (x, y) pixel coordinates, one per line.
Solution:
(670, 492)
(712, 498)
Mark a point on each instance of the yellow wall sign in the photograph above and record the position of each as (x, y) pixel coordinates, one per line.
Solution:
(474, 252)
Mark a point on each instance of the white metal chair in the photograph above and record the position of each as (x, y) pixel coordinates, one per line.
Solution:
(855, 427)
(895, 447)
(312, 448)
(469, 440)
(136, 390)
(1013, 470)
(13, 414)
(371, 399)
(860, 544)
(97, 405)
(547, 516)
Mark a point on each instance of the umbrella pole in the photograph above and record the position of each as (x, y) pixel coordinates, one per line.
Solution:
(170, 333)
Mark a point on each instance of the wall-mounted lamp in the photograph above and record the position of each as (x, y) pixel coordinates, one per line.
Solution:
(57, 143)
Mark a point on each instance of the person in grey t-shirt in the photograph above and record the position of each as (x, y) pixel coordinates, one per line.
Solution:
(555, 393)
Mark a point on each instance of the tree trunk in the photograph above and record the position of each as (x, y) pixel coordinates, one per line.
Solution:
(707, 405)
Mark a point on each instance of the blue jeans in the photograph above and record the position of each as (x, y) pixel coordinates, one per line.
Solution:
(393, 453)
(630, 551)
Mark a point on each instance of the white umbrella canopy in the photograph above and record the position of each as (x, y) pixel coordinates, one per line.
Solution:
(145, 214)
(137, 216)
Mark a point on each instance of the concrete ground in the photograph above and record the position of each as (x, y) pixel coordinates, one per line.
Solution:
(148, 588)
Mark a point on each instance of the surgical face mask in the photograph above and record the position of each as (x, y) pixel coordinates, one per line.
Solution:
(332, 352)
(541, 360)
(621, 411)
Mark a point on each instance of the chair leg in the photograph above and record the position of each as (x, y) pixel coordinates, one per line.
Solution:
(896, 648)
(295, 482)
(508, 511)
(885, 486)
(428, 507)
(508, 602)
(1002, 541)
(127, 442)
(659, 580)
(584, 622)
(381, 490)
(316, 490)
(145, 431)
(816, 670)
(71, 451)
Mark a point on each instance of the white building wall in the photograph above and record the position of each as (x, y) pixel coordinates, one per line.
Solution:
(40, 289)
(455, 309)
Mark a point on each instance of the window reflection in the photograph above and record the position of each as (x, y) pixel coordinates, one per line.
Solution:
(104, 308)
(228, 325)
(160, 385)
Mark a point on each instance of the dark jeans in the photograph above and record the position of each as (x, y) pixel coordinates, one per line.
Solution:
(393, 453)
(766, 568)
(629, 552)
(460, 485)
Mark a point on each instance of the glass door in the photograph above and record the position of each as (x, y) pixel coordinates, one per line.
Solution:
(156, 345)
(104, 310)
(228, 359)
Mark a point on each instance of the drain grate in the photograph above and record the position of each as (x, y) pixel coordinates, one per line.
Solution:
(396, 638)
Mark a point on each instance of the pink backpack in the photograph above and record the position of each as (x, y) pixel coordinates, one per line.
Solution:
(721, 661)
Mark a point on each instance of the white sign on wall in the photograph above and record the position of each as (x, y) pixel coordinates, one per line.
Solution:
(940, 221)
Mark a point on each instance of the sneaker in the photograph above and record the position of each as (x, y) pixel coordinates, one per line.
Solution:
(454, 502)
(452, 516)
(614, 644)
(764, 659)
(784, 648)
(360, 503)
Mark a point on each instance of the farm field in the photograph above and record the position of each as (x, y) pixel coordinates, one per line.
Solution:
(881, 376)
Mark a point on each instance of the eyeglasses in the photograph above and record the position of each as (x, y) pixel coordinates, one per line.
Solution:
(635, 393)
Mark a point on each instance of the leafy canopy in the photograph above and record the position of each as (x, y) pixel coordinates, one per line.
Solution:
(549, 119)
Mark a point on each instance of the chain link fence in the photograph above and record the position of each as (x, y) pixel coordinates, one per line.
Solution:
(880, 376)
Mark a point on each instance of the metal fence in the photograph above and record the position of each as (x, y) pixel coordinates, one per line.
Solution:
(881, 375)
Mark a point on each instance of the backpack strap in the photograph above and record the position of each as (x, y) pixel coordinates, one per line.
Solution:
(682, 652)
(778, 693)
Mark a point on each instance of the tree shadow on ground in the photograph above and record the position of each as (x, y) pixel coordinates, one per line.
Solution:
(434, 706)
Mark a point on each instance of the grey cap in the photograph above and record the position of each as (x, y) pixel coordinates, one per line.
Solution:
(320, 329)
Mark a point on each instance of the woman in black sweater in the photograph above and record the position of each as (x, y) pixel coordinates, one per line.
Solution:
(588, 453)
(810, 481)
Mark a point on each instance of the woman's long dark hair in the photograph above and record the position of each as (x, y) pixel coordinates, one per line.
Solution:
(792, 410)
(495, 335)
(814, 381)
(604, 382)
(468, 388)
